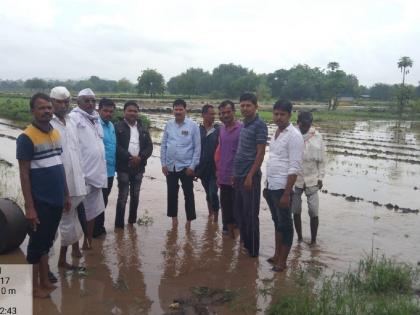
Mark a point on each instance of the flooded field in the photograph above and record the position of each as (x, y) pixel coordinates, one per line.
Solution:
(370, 202)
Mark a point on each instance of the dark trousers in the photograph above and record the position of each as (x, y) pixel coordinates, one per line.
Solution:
(282, 217)
(227, 201)
(247, 209)
(100, 219)
(173, 188)
(41, 240)
(127, 183)
(210, 186)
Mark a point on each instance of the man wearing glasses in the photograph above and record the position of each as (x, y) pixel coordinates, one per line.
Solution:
(90, 134)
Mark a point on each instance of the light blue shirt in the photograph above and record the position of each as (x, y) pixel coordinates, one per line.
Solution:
(180, 145)
(110, 143)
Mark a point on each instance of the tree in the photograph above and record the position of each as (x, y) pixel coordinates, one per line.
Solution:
(124, 85)
(333, 65)
(230, 80)
(36, 84)
(404, 64)
(151, 82)
(195, 81)
(382, 92)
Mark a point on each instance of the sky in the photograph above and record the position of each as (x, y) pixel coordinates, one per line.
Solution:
(113, 39)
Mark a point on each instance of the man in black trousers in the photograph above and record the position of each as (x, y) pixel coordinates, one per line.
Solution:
(134, 147)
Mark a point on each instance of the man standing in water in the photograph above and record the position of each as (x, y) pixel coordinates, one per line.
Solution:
(283, 165)
(70, 229)
(44, 188)
(106, 111)
(134, 147)
(206, 169)
(310, 180)
(247, 173)
(228, 145)
(179, 156)
(92, 149)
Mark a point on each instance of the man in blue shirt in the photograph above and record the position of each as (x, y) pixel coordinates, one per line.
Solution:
(106, 111)
(179, 156)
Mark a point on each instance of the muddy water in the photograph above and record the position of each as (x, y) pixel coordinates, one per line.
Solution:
(142, 269)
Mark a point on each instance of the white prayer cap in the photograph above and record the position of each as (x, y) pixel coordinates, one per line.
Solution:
(86, 92)
(59, 93)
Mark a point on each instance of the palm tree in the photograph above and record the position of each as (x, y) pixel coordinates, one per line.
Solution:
(403, 64)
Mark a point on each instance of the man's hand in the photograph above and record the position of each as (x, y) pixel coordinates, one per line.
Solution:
(32, 217)
(284, 201)
(189, 172)
(67, 204)
(134, 161)
(165, 170)
(320, 184)
(248, 183)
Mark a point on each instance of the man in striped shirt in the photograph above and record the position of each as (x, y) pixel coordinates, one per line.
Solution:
(44, 188)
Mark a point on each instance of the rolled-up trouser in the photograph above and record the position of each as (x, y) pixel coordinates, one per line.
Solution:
(128, 182)
(41, 240)
(282, 217)
(100, 219)
(247, 209)
(70, 228)
(210, 186)
(312, 199)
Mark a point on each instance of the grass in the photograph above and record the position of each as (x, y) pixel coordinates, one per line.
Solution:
(379, 286)
(17, 109)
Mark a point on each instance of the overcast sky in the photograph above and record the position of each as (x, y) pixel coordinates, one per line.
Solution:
(119, 38)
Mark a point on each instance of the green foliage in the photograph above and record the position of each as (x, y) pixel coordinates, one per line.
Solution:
(379, 286)
(195, 81)
(151, 82)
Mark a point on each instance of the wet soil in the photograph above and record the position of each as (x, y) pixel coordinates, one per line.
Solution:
(145, 268)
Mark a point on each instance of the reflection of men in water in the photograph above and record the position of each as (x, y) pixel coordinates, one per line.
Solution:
(44, 188)
(247, 173)
(70, 229)
(106, 110)
(228, 144)
(92, 149)
(206, 169)
(134, 147)
(310, 180)
(179, 156)
(283, 165)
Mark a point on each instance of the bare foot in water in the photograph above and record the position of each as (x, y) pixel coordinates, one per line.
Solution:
(174, 222)
(188, 225)
(46, 285)
(87, 245)
(76, 252)
(272, 260)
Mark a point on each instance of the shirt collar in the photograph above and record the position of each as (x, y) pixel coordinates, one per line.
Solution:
(135, 124)
(248, 122)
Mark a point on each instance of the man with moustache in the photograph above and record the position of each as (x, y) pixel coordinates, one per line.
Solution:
(179, 156)
(247, 173)
(44, 188)
(70, 229)
(283, 165)
(228, 145)
(134, 147)
(90, 134)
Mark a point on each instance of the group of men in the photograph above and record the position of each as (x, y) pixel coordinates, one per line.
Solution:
(68, 159)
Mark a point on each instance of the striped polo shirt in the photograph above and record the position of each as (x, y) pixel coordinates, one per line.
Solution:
(43, 149)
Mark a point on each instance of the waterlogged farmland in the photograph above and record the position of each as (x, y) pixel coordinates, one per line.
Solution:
(370, 203)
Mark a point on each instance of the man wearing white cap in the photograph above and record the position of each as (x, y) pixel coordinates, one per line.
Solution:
(90, 133)
(70, 229)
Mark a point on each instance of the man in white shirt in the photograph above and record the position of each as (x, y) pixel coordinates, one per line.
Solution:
(70, 229)
(134, 147)
(90, 134)
(283, 165)
(310, 180)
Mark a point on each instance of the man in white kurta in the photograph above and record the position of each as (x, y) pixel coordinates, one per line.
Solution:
(90, 133)
(70, 228)
(310, 179)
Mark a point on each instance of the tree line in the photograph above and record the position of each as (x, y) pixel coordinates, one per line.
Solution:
(298, 83)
